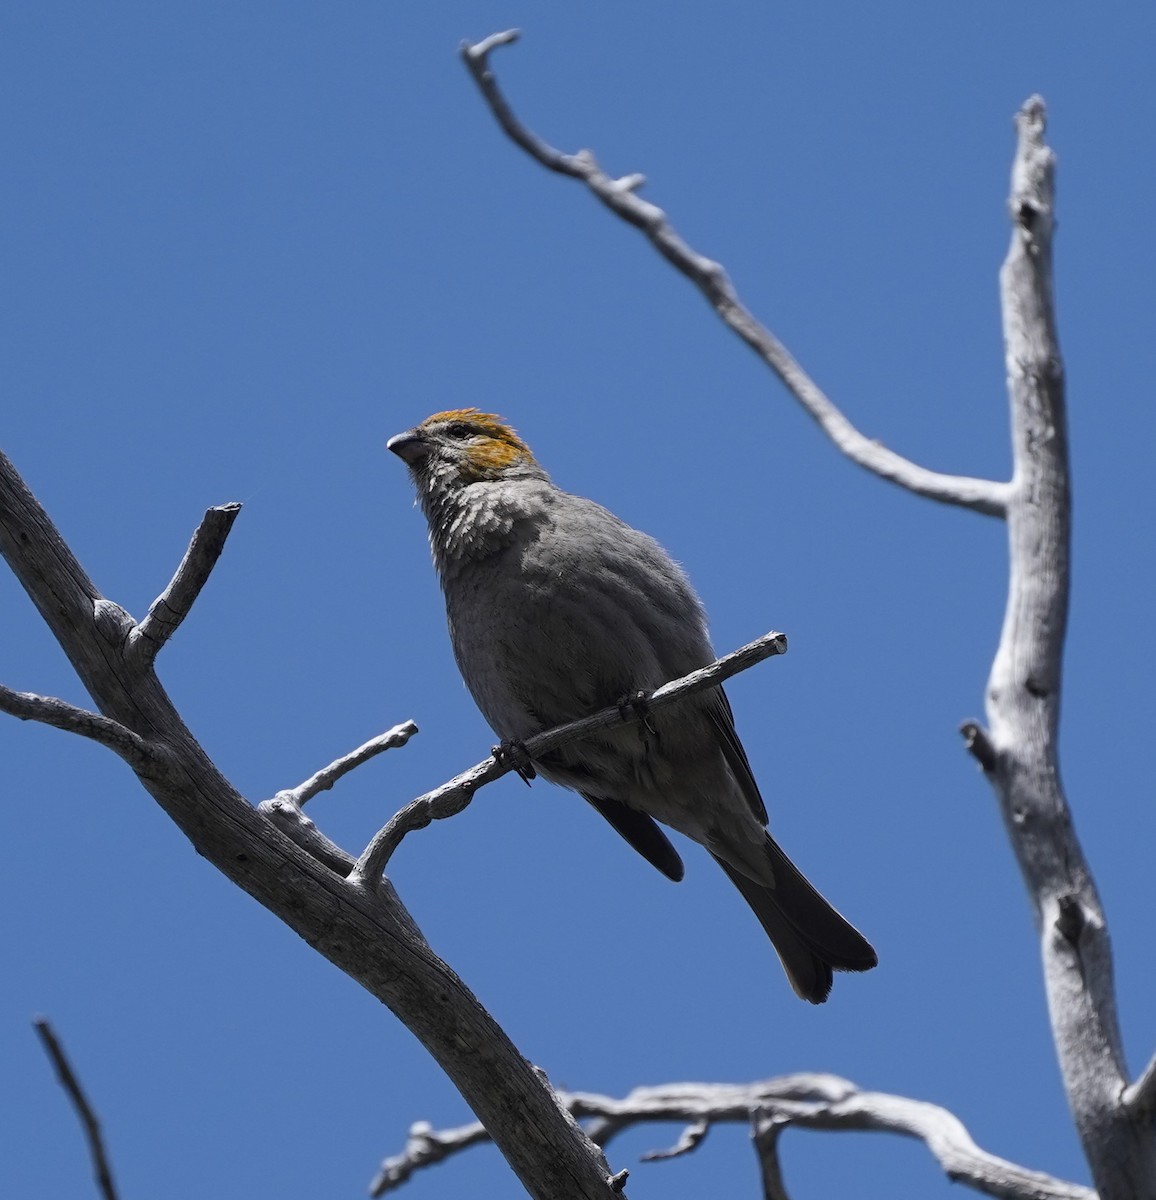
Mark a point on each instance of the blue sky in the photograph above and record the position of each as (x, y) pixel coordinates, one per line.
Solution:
(244, 243)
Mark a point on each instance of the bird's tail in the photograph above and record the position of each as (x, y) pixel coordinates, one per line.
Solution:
(810, 937)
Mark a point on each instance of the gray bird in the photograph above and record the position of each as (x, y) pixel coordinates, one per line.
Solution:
(557, 609)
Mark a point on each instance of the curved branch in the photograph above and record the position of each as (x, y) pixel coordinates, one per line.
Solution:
(1021, 755)
(89, 1121)
(814, 1101)
(980, 495)
(48, 710)
(452, 797)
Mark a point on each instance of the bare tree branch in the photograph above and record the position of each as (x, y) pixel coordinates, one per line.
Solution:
(369, 936)
(809, 1100)
(293, 822)
(619, 195)
(88, 1118)
(690, 1139)
(391, 739)
(766, 1131)
(978, 744)
(1140, 1097)
(48, 710)
(1023, 698)
(452, 797)
(171, 607)
(424, 1147)
(284, 812)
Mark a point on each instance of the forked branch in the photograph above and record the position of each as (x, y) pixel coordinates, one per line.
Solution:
(772, 1105)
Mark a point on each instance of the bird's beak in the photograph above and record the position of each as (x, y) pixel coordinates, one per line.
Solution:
(411, 447)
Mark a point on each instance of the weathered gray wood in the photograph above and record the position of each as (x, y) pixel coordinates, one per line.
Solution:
(813, 1101)
(1023, 699)
(366, 933)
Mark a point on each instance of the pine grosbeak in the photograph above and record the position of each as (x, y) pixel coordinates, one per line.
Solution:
(557, 609)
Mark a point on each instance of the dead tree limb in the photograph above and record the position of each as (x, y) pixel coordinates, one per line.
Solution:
(771, 1106)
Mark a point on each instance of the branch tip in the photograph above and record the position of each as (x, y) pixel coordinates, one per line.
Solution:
(476, 51)
(324, 779)
(1140, 1097)
(453, 797)
(979, 745)
(171, 607)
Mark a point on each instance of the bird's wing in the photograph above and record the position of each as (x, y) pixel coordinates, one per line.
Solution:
(642, 833)
(723, 720)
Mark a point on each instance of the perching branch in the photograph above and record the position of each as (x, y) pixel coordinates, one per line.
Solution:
(171, 607)
(806, 1100)
(619, 195)
(452, 797)
(88, 1118)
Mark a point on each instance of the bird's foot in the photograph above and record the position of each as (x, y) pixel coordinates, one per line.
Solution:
(512, 754)
(639, 702)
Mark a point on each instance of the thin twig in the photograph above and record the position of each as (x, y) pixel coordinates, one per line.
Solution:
(171, 607)
(690, 1139)
(88, 1118)
(816, 1101)
(619, 195)
(766, 1131)
(452, 797)
(328, 776)
(48, 710)
(424, 1147)
(978, 744)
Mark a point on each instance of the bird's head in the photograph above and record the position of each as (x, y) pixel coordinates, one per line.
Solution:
(463, 446)
(472, 472)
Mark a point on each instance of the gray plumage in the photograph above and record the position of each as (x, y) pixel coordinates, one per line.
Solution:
(556, 609)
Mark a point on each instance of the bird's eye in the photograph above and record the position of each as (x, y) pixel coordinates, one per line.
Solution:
(459, 430)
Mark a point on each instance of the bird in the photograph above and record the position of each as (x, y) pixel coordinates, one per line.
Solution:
(557, 609)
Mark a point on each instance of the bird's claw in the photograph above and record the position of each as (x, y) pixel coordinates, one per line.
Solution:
(512, 754)
(640, 703)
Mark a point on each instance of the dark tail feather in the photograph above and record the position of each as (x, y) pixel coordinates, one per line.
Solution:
(811, 938)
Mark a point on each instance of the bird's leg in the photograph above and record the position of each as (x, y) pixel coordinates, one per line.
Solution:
(512, 753)
(640, 703)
